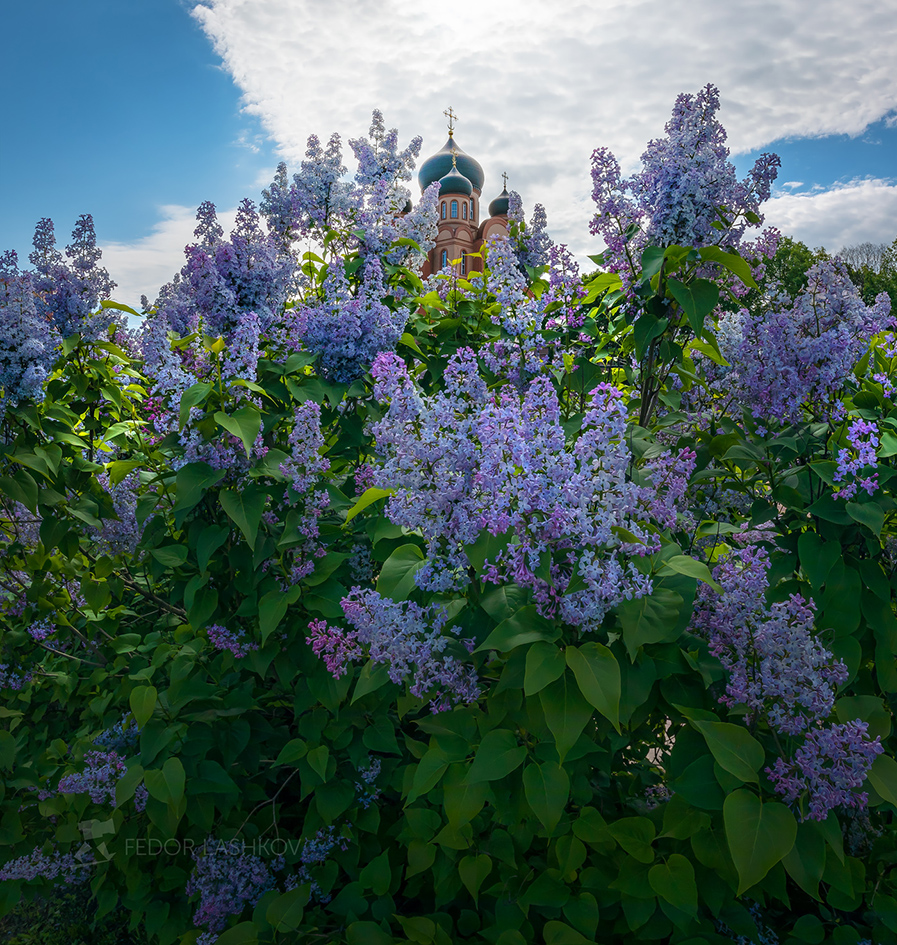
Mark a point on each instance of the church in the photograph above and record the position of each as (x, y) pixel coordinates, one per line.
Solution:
(462, 230)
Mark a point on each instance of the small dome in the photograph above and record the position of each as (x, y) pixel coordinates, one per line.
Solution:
(499, 206)
(455, 183)
(438, 165)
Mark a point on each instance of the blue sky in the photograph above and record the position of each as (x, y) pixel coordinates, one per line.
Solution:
(137, 110)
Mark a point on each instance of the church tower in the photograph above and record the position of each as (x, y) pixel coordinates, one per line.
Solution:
(461, 229)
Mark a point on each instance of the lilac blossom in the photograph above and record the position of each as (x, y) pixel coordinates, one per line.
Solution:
(795, 355)
(13, 679)
(404, 636)
(232, 640)
(226, 881)
(531, 243)
(53, 866)
(349, 329)
(686, 185)
(68, 294)
(365, 788)
(102, 769)
(316, 850)
(777, 668)
(28, 340)
(40, 630)
(828, 767)
(863, 439)
(463, 460)
(120, 535)
(121, 737)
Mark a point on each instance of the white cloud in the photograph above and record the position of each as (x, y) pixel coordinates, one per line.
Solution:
(538, 86)
(857, 212)
(143, 266)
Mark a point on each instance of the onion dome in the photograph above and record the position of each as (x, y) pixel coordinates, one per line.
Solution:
(499, 206)
(440, 164)
(455, 183)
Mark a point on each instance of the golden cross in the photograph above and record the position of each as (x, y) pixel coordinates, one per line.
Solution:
(452, 117)
(504, 177)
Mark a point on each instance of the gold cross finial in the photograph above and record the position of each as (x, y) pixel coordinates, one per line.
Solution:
(452, 117)
(504, 177)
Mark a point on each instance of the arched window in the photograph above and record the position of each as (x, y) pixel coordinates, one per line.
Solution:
(454, 209)
(472, 217)
(464, 264)
(464, 210)
(444, 262)
(443, 209)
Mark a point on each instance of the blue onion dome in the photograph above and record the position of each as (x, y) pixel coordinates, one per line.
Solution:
(455, 183)
(439, 165)
(499, 206)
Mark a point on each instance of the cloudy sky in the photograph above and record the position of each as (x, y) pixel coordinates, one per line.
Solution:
(137, 111)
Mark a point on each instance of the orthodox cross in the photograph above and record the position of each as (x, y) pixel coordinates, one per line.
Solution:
(504, 177)
(452, 117)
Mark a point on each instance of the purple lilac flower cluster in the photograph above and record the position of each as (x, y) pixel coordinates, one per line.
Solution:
(830, 765)
(315, 850)
(863, 439)
(225, 280)
(121, 737)
(233, 640)
(120, 535)
(11, 679)
(226, 879)
(780, 672)
(40, 630)
(792, 355)
(404, 636)
(67, 295)
(464, 460)
(366, 788)
(349, 330)
(686, 185)
(53, 867)
(102, 769)
(28, 340)
(531, 243)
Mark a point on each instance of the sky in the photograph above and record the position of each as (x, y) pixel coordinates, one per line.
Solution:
(137, 111)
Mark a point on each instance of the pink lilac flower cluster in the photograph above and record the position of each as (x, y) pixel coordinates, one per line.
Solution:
(404, 636)
(830, 765)
(792, 355)
(232, 640)
(781, 673)
(465, 459)
(226, 879)
(102, 770)
(686, 185)
(863, 439)
(53, 866)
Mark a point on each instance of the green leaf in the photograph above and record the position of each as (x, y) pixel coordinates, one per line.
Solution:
(759, 835)
(731, 261)
(396, 579)
(273, 607)
(293, 751)
(698, 299)
(498, 755)
(317, 759)
(487, 547)
(246, 933)
(205, 603)
(244, 424)
(143, 703)
(427, 774)
(245, 509)
(192, 482)
(369, 933)
(646, 329)
(462, 799)
(285, 912)
(503, 601)
(368, 497)
(211, 539)
(636, 836)
(682, 564)
(883, 777)
(544, 664)
(547, 787)
(734, 748)
(652, 619)
(817, 557)
(127, 784)
(597, 673)
(805, 863)
(709, 350)
(526, 626)
(566, 712)
(172, 556)
(870, 514)
(8, 749)
(193, 397)
(120, 468)
(473, 871)
(674, 881)
(559, 933)
(166, 785)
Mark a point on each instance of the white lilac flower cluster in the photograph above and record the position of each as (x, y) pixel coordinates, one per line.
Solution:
(780, 672)
(465, 459)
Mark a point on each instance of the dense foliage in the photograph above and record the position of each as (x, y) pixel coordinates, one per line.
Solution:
(340, 606)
